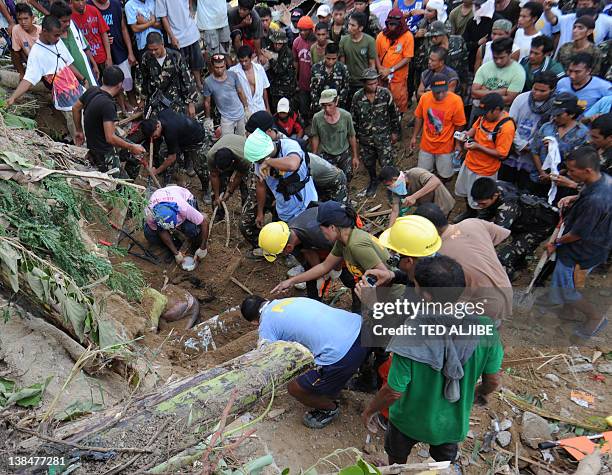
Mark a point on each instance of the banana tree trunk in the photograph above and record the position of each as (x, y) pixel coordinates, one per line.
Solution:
(192, 406)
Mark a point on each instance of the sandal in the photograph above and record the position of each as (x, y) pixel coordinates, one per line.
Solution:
(602, 324)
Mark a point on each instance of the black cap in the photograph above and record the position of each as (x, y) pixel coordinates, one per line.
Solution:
(296, 14)
(564, 102)
(439, 83)
(259, 120)
(332, 212)
(491, 102)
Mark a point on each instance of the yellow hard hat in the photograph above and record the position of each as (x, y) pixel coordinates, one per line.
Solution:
(273, 238)
(412, 236)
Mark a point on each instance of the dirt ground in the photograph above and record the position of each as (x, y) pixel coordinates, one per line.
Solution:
(292, 444)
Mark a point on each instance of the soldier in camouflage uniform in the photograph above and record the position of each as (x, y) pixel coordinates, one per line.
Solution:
(281, 71)
(184, 135)
(456, 58)
(169, 85)
(529, 218)
(329, 74)
(377, 125)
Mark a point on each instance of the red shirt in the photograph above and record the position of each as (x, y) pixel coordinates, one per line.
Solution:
(92, 25)
(301, 54)
(291, 125)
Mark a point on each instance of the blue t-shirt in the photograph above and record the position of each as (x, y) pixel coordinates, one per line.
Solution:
(289, 209)
(113, 16)
(602, 106)
(590, 93)
(413, 21)
(328, 332)
(225, 95)
(146, 8)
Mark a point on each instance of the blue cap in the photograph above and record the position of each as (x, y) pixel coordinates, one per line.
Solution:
(165, 215)
(332, 212)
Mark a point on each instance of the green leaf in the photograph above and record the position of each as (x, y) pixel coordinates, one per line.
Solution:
(10, 259)
(367, 468)
(6, 386)
(13, 121)
(73, 311)
(285, 471)
(15, 161)
(579, 431)
(78, 409)
(352, 470)
(30, 396)
(38, 281)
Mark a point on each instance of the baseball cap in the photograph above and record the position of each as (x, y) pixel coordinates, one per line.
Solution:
(305, 23)
(278, 36)
(563, 102)
(323, 10)
(332, 212)
(283, 105)
(327, 96)
(491, 101)
(259, 120)
(296, 14)
(165, 215)
(436, 28)
(439, 83)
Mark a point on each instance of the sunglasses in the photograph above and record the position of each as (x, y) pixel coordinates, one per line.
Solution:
(218, 57)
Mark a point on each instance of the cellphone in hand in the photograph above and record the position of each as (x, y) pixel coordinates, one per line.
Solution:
(371, 280)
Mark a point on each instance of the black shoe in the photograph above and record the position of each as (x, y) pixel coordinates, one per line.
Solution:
(319, 418)
(371, 190)
(468, 213)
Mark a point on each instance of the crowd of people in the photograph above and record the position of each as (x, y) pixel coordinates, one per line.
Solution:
(506, 105)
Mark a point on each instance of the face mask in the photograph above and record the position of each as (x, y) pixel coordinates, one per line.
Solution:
(399, 187)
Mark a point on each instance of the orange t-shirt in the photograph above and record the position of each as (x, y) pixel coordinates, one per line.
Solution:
(392, 53)
(440, 120)
(482, 163)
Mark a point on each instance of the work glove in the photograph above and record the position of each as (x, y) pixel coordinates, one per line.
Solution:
(179, 258)
(200, 254)
(209, 125)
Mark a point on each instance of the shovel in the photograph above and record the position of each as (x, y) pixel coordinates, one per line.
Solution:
(524, 299)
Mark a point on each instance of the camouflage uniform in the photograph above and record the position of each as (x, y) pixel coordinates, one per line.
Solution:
(530, 219)
(320, 79)
(105, 161)
(172, 80)
(329, 180)
(281, 74)
(374, 123)
(457, 58)
(248, 226)
(197, 156)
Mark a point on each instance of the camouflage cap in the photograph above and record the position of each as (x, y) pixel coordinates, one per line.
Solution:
(436, 28)
(278, 36)
(370, 73)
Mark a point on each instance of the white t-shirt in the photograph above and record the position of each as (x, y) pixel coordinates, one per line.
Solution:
(254, 99)
(212, 14)
(488, 52)
(52, 62)
(523, 42)
(183, 26)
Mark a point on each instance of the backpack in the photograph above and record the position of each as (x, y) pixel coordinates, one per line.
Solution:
(493, 133)
(292, 184)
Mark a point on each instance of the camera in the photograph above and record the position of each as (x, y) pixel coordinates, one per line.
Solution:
(371, 280)
(461, 136)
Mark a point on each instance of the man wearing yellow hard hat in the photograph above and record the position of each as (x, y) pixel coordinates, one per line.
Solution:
(410, 238)
(301, 237)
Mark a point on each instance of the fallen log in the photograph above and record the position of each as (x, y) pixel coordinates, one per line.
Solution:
(190, 406)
